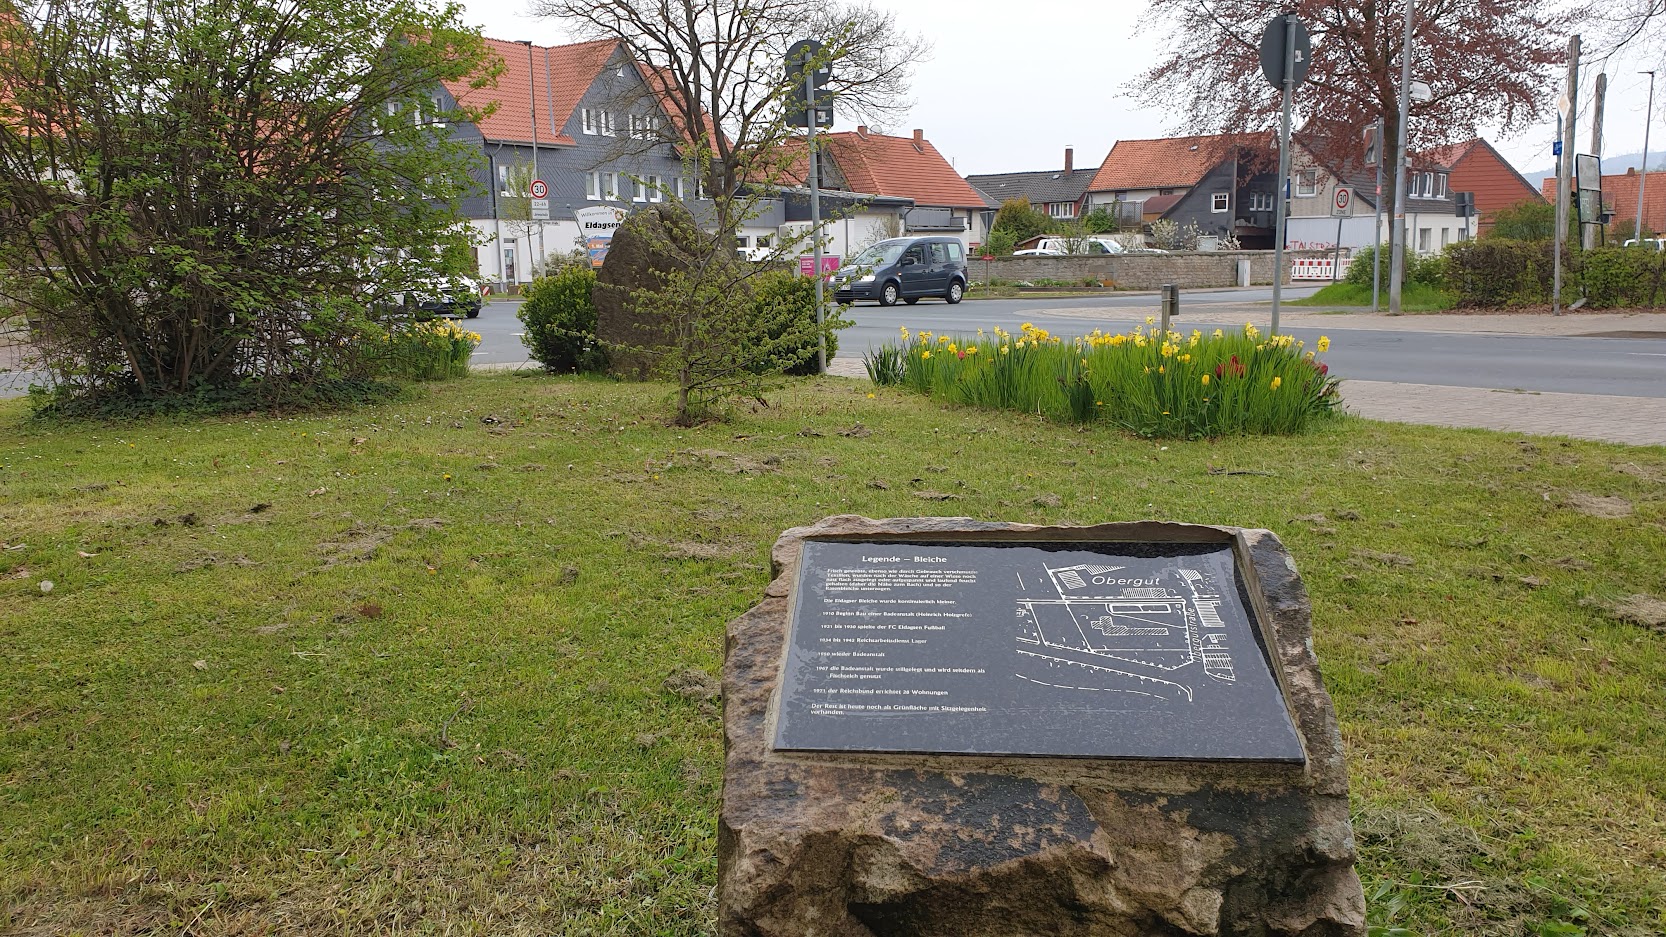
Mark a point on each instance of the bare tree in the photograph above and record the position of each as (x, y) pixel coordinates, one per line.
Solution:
(717, 68)
(1486, 64)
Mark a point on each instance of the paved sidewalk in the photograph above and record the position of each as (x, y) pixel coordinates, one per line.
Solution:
(1212, 314)
(1637, 421)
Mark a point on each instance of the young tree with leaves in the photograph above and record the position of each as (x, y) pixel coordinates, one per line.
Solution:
(1487, 64)
(217, 194)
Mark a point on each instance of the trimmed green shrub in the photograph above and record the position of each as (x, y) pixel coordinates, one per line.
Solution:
(1500, 272)
(1429, 270)
(1621, 276)
(560, 320)
(1099, 221)
(784, 304)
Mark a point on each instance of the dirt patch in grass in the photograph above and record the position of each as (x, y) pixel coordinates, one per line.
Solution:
(1598, 505)
(1638, 609)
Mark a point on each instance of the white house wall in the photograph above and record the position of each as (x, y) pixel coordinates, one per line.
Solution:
(1319, 232)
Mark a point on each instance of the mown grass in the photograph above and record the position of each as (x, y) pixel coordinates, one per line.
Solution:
(399, 670)
(1416, 297)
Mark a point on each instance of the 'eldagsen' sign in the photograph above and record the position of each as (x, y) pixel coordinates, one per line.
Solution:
(1105, 650)
(595, 227)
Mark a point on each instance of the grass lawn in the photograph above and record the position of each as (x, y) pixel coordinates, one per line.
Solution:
(400, 669)
(1415, 297)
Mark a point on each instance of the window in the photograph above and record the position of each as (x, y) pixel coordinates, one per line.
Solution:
(913, 254)
(1065, 210)
(610, 185)
(639, 190)
(679, 188)
(589, 118)
(1218, 201)
(1445, 236)
(1440, 185)
(762, 241)
(645, 127)
(939, 253)
(656, 189)
(604, 123)
(957, 254)
(1463, 235)
(1261, 201)
(1425, 238)
(1307, 183)
(438, 115)
(593, 186)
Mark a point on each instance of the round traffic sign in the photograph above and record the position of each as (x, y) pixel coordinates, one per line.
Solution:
(1275, 41)
(539, 189)
(1344, 198)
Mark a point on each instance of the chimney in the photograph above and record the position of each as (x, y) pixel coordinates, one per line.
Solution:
(1631, 170)
(919, 136)
(1069, 159)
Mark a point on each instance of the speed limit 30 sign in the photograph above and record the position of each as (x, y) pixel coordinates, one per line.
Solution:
(1342, 203)
(539, 189)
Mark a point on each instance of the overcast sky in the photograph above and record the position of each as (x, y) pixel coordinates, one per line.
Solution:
(1009, 85)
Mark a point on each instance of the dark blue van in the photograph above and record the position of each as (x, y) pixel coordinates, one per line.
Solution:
(908, 269)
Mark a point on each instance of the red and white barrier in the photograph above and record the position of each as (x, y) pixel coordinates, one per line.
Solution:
(1317, 268)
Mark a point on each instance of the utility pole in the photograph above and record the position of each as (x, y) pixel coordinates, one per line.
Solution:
(1643, 179)
(1569, 107)
(1397, 262)
(1588, 230)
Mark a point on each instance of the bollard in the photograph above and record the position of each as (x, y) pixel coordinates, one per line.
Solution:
(1171, 304)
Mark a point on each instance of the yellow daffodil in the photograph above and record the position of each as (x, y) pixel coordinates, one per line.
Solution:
(924, 354)
(1277, 381)
(1162, 370)
(1324, 343)
(1205, 380)
(1150, 319)
(972, 349)
(1219, 333)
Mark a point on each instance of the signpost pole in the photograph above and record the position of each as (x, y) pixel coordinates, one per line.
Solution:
(1569, 108)
(1290, 25)
(1397, 234)
(815, 206)
(1377, 235)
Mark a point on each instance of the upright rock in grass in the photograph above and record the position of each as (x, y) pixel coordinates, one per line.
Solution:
(941, 726)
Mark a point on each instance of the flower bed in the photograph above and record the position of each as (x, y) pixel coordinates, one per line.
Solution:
(434, 350)
(1149, 383)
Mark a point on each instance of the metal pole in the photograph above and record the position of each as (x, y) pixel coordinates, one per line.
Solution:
(1377, 235)
(815, 207)
(532, 98)
(1336, 252)
(1397, 235)
(1643, 179)
(1566, 131)
(1283, 165)
(1589, 228)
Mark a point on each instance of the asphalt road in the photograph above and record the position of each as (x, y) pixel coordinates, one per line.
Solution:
(1628, 367)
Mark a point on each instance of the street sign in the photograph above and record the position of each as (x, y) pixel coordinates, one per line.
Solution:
(799, 56)
(1342, 203)
(1273, 44)
(1556, 148)
(539, 189)
(540, 209)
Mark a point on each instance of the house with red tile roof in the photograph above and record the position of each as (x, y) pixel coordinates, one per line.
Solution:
(1432, 217)
(1474, 166)
(596, 122)
(1219, 183)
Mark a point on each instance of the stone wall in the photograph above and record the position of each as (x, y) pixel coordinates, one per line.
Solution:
(1188, 269)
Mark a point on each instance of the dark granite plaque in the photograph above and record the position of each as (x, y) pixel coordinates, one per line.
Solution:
(1102, 650)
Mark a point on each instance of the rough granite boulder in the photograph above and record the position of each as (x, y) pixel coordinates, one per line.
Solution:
(858, 845)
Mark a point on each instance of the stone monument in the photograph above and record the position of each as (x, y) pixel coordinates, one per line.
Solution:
(942, 726)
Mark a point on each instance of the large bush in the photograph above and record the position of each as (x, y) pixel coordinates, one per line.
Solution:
(560, 318)
(221, 195)
(1500, 272)
(1526, 220)
(1020, 219)
(784, 308)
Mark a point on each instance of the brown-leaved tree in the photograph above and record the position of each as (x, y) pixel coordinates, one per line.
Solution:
(1488, 64)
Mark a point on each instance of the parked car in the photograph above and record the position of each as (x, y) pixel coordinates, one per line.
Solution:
(1038, 252)
(909, 269)
(1058, 247)
(1659, 244)
(444, 296)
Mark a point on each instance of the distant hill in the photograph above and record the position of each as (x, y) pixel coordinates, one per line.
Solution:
(1611, 165)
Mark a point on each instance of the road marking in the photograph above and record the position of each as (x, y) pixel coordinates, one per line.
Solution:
(1647, 354)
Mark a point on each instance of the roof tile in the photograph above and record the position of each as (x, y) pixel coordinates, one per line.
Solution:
(570, 71)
